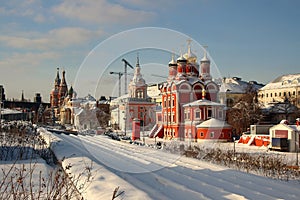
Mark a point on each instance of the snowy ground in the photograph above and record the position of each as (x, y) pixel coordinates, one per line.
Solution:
(147, 173)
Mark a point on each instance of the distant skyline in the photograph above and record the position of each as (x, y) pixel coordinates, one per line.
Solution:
(255, 40)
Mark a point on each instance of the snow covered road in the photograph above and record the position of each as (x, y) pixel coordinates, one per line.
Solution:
(162, 175)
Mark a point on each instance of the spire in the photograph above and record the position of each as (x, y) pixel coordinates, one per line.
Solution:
(22, 96)
(181, 58)
(57, 79)
(137, 86)
(63, 80)
(173, 62)
(63, 89)
(205, 54)
(70, 92)
(189, 46)
(137, 60)
(205, 67)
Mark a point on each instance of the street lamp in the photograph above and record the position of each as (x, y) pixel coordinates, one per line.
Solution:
(296, 146)
(234, 148)
(125, 118)
(124, 104)
(144, 114)
(191, 118)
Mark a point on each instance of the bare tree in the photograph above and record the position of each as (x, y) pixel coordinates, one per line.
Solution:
(245, 112)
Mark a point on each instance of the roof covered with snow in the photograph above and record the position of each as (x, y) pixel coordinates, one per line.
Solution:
(203, 102)
(237, 85)
(213, 123)
(287, 126)
(9, 111)
(284, 81)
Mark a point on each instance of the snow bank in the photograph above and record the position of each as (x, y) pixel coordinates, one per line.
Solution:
(92, 180)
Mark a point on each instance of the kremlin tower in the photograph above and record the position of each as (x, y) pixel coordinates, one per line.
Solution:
(59, 91)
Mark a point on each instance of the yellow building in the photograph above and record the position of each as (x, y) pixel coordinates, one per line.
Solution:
(286, 87)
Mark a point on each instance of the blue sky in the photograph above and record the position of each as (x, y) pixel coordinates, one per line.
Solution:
(256, 40)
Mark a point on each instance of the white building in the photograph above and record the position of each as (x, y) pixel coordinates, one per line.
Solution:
(136, 104)
(284, 135)
(81, 113)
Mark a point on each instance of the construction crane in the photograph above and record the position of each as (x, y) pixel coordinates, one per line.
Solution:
(120, 75)
(126, 63)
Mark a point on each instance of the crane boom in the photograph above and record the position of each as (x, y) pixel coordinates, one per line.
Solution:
(126, 63)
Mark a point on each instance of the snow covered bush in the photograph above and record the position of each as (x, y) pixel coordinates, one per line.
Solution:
(270, 165)
(29, 169)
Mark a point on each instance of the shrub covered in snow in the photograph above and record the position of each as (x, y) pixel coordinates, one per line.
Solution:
(270, 165)
(28, 166)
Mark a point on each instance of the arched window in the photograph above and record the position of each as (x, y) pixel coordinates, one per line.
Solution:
(198, 114)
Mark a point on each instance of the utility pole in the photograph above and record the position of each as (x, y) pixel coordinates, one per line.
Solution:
(120, 75)
(126, 63)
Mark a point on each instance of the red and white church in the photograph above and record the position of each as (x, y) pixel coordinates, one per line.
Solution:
(190, 109)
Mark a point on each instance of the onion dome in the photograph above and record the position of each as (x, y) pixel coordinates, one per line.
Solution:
(70, 92)
(190, 56)
(205, 59)
(181, 59)
(172, 62)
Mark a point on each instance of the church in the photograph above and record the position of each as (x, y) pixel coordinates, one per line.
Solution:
(190, 108)
(134, 105)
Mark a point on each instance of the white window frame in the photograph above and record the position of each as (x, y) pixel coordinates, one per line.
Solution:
(196, 112)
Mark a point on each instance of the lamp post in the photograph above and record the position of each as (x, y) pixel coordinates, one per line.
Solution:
(125, 118)
(234, 148)
(190, 134)
(144, 114)
(296, 147)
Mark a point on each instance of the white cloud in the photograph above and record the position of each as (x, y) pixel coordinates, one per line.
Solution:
(56, 38)
(28, 8)
(19, 61)
(101, 12)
